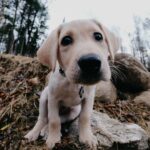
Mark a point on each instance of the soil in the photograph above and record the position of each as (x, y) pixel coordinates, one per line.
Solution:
(21, 82)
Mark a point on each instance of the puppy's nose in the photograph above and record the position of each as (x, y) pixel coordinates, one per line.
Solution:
(89, 63)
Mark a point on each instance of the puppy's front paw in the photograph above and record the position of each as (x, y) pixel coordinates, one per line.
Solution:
(89, 139)
(32, 135)
(52, 140)
(44, 132)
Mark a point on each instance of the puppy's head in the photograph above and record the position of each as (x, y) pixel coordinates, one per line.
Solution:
(82, 49)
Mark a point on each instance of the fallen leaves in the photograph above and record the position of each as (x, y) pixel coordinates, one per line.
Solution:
(21, 80)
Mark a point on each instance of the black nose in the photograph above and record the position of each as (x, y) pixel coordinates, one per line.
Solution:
(89, 63)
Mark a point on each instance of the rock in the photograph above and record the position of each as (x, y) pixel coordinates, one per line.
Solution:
(130, 72)
(123, 135)
(129, 79)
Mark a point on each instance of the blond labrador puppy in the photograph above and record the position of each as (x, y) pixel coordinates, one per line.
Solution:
(77, 53)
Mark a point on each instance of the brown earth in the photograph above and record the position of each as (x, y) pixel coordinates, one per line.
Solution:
(21, 81)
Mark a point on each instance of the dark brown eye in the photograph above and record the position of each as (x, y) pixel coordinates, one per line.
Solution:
(98, 36)
(67, 40)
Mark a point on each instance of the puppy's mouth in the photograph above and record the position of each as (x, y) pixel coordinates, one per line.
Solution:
(89, 78)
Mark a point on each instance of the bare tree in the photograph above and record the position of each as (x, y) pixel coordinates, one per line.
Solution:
(23, 25)
(140, 39)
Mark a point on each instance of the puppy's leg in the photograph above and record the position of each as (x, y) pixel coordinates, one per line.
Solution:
(42, 119)
(54, 123)
(85, 132)
(106, 91)
(75, 111)
(143, 97)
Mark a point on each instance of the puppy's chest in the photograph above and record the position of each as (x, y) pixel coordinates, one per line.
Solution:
(70, 95)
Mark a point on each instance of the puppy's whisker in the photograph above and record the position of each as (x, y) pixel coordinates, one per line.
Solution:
(117, 73)
(114, 74)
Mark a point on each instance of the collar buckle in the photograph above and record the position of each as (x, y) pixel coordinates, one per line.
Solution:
(81, 92)
(62, 72)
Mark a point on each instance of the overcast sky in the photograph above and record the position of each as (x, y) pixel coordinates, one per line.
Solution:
(118, 13)
(110, 12)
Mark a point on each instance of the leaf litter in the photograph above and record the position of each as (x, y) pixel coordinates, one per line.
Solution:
(21, 81)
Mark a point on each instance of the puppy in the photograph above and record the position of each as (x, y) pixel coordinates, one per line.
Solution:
(77, 53)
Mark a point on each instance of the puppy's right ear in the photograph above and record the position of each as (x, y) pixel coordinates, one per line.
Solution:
(47, 53)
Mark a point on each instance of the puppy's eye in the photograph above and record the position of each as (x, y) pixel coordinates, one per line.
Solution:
(67, 40)
(98, 36)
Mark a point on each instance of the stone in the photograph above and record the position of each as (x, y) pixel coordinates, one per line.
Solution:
(123, 135)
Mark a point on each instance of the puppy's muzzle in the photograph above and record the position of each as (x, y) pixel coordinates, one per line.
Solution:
(90, 66)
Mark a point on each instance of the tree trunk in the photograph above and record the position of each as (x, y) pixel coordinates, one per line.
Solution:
(30, 31)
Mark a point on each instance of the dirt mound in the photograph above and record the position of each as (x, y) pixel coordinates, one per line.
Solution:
(21, 80)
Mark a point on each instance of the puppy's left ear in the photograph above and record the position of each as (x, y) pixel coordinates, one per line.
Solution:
(47, 53)
(113, 42)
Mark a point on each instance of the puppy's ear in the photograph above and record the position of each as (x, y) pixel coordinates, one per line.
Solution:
(47, 53)
(113, 42)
